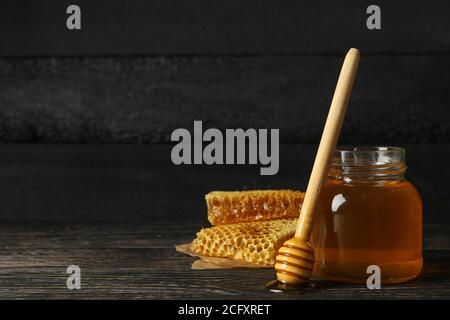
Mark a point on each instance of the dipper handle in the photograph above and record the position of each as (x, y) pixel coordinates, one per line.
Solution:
(328, 143)
(295, 260)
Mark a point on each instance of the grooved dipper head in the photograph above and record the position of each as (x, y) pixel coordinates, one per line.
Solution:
(294, 262)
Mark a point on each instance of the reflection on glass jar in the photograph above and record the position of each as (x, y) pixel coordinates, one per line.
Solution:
(368, 214)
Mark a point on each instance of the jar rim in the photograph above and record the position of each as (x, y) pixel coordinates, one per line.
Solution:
(368, 155)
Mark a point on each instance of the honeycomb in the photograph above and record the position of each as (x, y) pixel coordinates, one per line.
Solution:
(242, 206)
(252, 242)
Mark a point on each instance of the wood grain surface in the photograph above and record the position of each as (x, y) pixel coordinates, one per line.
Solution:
(132, 261)
(125, 183)
(401, 98)
(208, 27)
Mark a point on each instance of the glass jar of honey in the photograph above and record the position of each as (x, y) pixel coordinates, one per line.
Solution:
(368, 214)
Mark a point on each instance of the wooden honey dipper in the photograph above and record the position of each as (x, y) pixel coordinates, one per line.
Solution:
(295, 259)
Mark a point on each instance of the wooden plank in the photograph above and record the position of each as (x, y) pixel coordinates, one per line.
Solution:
(396, 99)
(76, 183)
(33, 262)
(206, 27)
(38, 237)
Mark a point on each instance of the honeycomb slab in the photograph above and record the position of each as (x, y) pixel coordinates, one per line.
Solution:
(226, 207)
(252, 242)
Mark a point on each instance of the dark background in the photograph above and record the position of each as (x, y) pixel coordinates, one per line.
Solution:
(86, 116)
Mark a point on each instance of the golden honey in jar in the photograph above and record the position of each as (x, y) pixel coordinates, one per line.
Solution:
(368, 214)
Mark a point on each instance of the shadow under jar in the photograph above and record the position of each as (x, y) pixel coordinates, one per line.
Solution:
(368, 214)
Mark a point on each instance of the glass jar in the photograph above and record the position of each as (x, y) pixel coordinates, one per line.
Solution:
(368, 214)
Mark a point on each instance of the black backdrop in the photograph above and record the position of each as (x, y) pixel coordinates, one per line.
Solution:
(139, 69)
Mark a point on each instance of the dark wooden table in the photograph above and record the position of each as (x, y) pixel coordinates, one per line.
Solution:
(139, 261)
